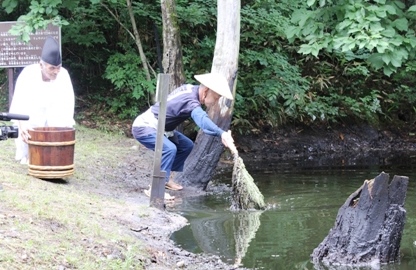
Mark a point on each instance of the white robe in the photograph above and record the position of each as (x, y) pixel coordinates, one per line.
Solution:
(48, 104)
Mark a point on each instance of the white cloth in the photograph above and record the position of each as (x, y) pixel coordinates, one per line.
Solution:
(146, 119)
(48, 104)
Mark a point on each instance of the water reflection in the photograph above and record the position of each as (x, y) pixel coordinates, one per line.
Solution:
(210, 229)
(246, 224)
(306, 204)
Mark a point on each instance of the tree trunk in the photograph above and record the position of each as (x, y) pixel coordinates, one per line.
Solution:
(201, 163)
(172, 48)
(369, 225)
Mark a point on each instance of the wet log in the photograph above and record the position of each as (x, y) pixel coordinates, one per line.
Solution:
(369, 226)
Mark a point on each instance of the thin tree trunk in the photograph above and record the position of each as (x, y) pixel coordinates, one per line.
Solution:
(172, 48)
(201, 163)
(138, 41)
(135, 35)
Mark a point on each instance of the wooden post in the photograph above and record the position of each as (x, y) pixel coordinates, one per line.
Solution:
(157, 194)
(10, 78)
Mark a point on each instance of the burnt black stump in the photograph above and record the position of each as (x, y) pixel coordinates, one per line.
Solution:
(369, 226)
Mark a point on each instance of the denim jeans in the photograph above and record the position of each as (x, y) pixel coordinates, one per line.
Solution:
(173, 154)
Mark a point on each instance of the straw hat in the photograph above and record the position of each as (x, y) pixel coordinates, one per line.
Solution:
(216, 83)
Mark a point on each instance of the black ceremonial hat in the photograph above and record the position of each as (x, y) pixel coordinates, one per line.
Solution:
(51, 53)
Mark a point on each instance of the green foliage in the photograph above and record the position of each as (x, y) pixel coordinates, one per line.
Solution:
(380, 30)
(197, 21)
(9, 5)
(401, 97)
(196, 13)
(131, 87)
(41, 14)
(278, 91)
(364, 108)
(272, 89)
(86, 47)
(347, 49)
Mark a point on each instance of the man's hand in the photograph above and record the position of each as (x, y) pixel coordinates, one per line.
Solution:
(228, 141)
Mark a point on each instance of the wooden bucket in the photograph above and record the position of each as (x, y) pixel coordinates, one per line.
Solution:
(51, 152)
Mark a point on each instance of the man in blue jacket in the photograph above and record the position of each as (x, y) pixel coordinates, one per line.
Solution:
(184, 102)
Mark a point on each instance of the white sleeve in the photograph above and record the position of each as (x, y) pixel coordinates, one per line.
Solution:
(19, 104)
(68, 102)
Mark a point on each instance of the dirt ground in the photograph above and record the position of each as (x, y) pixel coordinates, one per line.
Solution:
(127, 181)
(299, 146)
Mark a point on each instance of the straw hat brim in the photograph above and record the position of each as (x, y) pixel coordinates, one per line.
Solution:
(216, 83)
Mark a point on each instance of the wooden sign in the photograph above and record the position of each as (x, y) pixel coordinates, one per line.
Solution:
(14, 53)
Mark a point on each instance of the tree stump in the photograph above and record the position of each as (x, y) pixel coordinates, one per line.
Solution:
(369, 226)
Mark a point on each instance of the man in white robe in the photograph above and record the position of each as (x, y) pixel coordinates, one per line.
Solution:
(44, 92)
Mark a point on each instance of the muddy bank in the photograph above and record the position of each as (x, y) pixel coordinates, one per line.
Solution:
(344, 145)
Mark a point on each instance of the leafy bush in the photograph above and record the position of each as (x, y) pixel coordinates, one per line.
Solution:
(131, 89)
(270, 89)
(382, 32)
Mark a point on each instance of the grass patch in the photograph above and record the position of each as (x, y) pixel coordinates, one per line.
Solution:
(63, 225)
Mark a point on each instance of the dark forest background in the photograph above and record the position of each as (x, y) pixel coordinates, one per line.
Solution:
(301, 62)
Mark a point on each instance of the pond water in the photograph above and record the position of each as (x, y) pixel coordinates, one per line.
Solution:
(305, 204)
